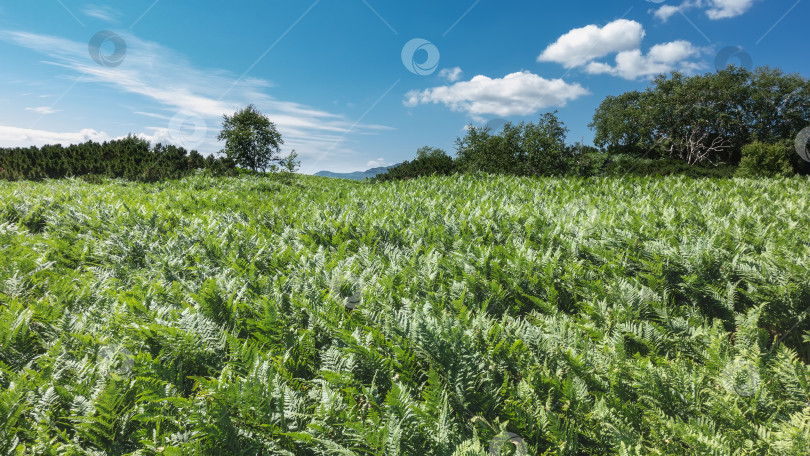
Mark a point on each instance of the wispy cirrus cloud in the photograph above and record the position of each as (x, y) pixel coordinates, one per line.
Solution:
(24, 137)
(44, 110)
(150, 70)
(103, 12)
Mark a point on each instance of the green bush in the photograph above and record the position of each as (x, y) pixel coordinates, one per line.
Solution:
(585, 161)
(625, 165)
(525, 149)
(765, 160)
(429, 161)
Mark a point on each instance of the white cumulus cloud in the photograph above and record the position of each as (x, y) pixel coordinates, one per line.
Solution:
(516, 94)
(667, 11)
(376, 163)
(661, 58)
(450, 74)
(582, 45)
(715, 9)
(721, 9)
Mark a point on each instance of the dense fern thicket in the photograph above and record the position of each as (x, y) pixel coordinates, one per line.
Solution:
(130, 158)
(437, 316)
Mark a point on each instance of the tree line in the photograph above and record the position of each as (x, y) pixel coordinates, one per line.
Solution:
(732, 122)
(251, 143)
(130, 158)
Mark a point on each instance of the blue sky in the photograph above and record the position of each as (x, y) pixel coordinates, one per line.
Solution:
(353, 84)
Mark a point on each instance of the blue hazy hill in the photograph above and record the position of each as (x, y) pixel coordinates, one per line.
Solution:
(357, 175)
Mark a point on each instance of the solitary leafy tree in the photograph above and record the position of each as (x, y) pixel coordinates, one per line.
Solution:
(251, 140)
(289, 166)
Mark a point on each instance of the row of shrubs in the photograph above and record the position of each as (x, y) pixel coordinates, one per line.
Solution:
(526, 149)
(529, 149)
(588, 164)
(130, 158)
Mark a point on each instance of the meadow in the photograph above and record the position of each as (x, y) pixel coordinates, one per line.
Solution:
(461, 315)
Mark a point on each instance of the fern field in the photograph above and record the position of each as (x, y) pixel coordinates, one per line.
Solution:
(463, 315)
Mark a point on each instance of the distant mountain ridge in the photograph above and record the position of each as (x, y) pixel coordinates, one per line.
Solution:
(357, 175)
